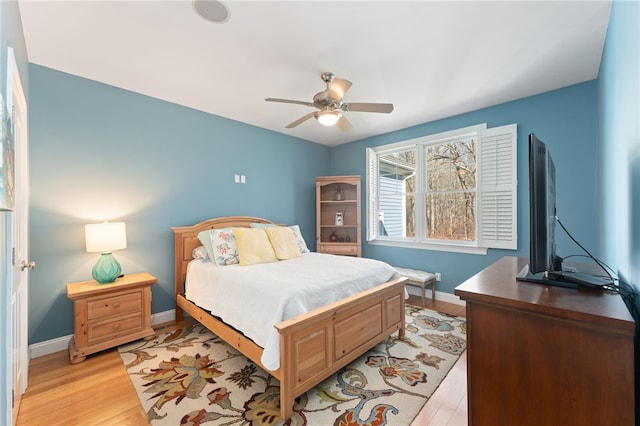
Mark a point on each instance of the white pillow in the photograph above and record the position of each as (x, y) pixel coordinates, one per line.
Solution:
(302, 245)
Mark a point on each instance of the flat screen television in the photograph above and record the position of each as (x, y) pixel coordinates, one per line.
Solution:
(545, 266)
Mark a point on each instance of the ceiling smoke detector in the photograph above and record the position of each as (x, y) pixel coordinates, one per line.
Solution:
(212, 10)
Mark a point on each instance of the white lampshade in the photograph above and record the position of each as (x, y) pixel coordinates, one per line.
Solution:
(328, 118)
(105, 237)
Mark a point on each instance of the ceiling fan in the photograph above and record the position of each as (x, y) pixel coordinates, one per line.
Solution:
(329, 104)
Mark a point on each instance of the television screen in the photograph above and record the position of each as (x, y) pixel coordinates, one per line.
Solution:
(542, 202)
(545, 266)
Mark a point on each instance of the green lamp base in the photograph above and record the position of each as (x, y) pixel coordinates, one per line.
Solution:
(106, 270)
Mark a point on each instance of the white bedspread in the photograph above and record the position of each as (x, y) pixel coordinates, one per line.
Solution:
(255, 298)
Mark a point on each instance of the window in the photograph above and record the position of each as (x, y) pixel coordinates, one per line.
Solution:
(452, 191)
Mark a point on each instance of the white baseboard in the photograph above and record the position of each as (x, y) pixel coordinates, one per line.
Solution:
(440, 295)
(62, 343)
(450, 298)
(49, 346)
(163, 317)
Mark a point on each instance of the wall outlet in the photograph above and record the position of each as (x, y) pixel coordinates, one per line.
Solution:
(438, 276)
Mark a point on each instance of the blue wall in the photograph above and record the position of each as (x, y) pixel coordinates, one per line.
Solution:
(566, 120)
(619, 88)
(101, 153)
(619, 150)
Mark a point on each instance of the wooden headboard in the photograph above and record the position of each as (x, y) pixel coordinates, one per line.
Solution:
(186, 240)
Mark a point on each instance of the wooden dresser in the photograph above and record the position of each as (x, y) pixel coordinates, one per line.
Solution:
(108, 315)
(543, 355)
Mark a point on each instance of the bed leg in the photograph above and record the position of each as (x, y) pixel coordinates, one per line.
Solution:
(179, 314)
(286, 406)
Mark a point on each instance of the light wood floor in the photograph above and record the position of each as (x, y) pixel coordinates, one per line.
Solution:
(99, 392)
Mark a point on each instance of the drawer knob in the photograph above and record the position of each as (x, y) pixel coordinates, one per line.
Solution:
(116, 305)
(116, 326)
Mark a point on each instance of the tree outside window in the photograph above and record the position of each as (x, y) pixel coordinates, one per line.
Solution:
(450, 199)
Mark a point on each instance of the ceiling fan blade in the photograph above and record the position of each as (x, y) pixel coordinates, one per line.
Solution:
(344, 124)
(338, 87)
(367, 107)
(289, 101)
(300, 120)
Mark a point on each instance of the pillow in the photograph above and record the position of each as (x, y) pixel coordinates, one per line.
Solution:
(262, 225)
(200, 252)
(302, 245)
(205, 240)
(283, 242)
(225, 250)
(253, 246)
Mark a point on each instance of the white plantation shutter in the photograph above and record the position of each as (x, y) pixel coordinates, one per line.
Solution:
(497, 184)
(372, 194)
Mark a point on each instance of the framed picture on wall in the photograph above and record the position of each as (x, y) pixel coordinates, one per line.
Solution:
(7, 167)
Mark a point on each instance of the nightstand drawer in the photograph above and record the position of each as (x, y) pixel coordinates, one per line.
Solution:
(114, 305)
(111, 329)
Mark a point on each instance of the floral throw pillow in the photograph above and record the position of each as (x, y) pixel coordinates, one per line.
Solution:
(200, 253)
(223, 244)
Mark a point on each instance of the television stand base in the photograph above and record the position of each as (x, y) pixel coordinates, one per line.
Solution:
(542, 278)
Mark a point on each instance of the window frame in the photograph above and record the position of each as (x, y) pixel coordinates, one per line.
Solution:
(480, 245)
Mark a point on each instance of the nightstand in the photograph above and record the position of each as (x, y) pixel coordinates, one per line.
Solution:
(108, 315)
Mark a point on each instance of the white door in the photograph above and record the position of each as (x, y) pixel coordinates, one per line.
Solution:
(17, 107)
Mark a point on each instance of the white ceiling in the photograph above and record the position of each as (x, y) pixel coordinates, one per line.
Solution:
(431, 59)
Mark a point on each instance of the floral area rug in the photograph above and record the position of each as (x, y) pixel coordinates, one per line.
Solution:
(191, 377)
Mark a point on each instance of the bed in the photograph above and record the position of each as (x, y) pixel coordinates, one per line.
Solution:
(313, 345)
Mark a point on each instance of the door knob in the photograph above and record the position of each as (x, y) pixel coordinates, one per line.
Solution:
(28, 265)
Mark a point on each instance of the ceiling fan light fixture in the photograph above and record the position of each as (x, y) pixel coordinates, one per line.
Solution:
(329, 105)
(328, 118)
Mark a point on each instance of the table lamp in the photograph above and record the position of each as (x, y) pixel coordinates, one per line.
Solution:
(103, 238)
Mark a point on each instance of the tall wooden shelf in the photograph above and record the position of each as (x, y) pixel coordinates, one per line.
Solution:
(333, 238)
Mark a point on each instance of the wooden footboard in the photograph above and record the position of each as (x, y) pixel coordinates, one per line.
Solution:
(314, 345)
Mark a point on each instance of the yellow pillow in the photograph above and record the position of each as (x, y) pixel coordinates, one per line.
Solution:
(253, 246)
(283, 241)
